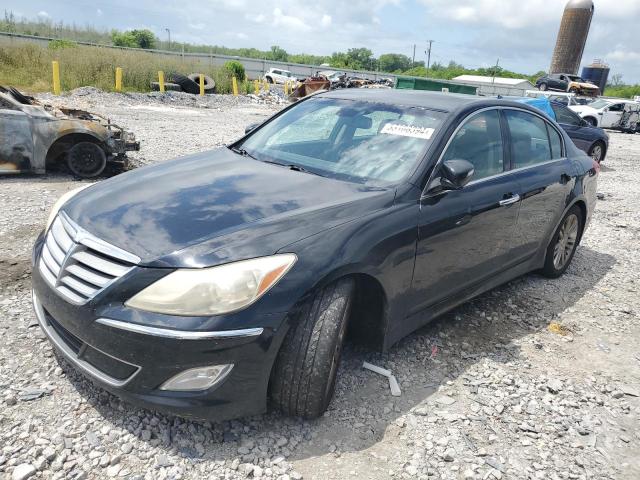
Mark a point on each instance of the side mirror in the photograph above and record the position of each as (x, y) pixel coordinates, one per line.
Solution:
(456, 174)
(250, 128)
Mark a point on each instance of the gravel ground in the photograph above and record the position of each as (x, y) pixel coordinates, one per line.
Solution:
(536, 379)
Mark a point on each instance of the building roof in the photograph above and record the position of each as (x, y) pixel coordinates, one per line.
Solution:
(492, 80)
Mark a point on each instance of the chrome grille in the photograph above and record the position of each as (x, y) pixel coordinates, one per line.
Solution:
(77, 264)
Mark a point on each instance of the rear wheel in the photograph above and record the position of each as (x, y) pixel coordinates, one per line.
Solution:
(563, 244)
(86, 159)
(597, 151)
(304, 375)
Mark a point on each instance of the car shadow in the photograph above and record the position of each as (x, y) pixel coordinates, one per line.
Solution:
(363, 410)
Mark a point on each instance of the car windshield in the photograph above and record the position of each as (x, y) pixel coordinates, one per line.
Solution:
(363, 142)
(575, 78)
(599, 104)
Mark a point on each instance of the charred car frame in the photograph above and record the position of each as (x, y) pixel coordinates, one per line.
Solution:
(34, 137)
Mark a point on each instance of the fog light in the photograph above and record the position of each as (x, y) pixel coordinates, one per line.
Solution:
(200, 378)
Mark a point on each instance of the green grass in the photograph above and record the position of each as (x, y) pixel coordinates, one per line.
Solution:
(623, 91)
(28, 67)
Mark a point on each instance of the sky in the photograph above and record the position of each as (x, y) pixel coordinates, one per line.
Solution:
(475, 33)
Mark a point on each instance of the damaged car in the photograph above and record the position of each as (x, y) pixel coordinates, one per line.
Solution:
(35, 137)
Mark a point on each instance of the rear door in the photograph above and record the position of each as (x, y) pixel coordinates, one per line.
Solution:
(611, 115)
(545, 177)
(464, 236)
(16, 139)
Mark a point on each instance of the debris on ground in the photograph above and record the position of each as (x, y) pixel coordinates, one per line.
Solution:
(393, 382)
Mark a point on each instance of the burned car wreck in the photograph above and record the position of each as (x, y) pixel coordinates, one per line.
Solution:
(35, 137)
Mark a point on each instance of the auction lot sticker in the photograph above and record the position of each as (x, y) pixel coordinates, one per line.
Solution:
(407, 131)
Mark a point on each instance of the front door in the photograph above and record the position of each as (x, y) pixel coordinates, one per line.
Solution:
(611, 115)
(16, 142)
(464, 235)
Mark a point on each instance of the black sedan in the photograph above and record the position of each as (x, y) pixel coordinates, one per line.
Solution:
(205, 285)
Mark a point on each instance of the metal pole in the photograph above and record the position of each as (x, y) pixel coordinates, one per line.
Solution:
(169, 34)
(495, 69)
(429, 54)
(413, 61)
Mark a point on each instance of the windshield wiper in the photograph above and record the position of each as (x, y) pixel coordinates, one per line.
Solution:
(292, 166)
(243, 152)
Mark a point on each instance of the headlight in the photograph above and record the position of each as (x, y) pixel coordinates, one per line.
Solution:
(61, 201)
(215, 290)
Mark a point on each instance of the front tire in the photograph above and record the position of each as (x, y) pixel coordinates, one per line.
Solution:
(591, 121)
(563, 244)
(304, 374)
(86, 160)
(543, 87)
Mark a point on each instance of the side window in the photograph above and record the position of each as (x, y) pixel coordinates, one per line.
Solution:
(529, 138)
(479, 141)
(618, 107)
(556, 142)
(564, 115)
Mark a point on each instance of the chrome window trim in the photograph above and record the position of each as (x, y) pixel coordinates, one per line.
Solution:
(425, 194)
(71, 356)
(179, 334)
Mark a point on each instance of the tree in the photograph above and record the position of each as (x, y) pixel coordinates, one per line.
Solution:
(134, 38)
(278, 54)
(392, 62)
(360, 58)
(616, 80)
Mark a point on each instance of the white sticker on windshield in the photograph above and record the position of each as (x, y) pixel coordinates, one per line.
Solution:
(407, 131)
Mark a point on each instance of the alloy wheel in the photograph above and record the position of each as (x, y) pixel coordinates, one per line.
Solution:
(596, 153)
(566, 242)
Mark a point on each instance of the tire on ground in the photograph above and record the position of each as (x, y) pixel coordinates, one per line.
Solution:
(603, 150)
(187, 85)
(86, 159)
(168, 87)
(209, 83)
(304, 374)
(549, 269)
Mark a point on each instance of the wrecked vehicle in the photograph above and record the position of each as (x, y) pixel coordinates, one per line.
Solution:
(311, 85)
(34, 137)
(567, 83)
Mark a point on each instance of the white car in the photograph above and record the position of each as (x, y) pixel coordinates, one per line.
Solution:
(604, 113)
(277, 75)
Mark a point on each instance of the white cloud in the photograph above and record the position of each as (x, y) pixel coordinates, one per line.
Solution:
(99, 12)
(197, 26)
(325, 21)
(242, 36)
(43, 14)
(289, 21)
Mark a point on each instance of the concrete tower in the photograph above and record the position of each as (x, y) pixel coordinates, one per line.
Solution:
(572, 36)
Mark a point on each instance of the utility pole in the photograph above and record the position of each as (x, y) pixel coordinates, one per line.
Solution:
(495, 69)
(413, 61)
(169, 34)
(429, 54)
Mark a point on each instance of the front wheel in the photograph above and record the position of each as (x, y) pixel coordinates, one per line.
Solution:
(591, 121)
(563, 244)
(86, 160)
(543, 87)
(304, 375)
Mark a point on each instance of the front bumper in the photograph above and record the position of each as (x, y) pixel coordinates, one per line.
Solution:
(133, 363)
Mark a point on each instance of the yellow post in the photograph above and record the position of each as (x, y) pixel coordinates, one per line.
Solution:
(118, 79)
(256, 87)
(56, 77)
(161, 80)
(286, 88)
(202, 85)
(266, 86)
(234, 84)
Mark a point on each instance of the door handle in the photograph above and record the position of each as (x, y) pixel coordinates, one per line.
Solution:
(509, 201)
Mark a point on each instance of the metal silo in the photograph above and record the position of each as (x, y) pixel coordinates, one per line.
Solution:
(597, 72)
(572, 36)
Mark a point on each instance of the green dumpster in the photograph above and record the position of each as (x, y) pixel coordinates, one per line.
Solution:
(413, 83)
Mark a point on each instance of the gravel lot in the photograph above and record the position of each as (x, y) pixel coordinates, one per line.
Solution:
(537, 379)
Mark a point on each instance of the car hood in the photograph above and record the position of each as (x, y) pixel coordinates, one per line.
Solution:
(216, 206)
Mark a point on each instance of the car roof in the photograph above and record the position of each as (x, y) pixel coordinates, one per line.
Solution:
(446, 102)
